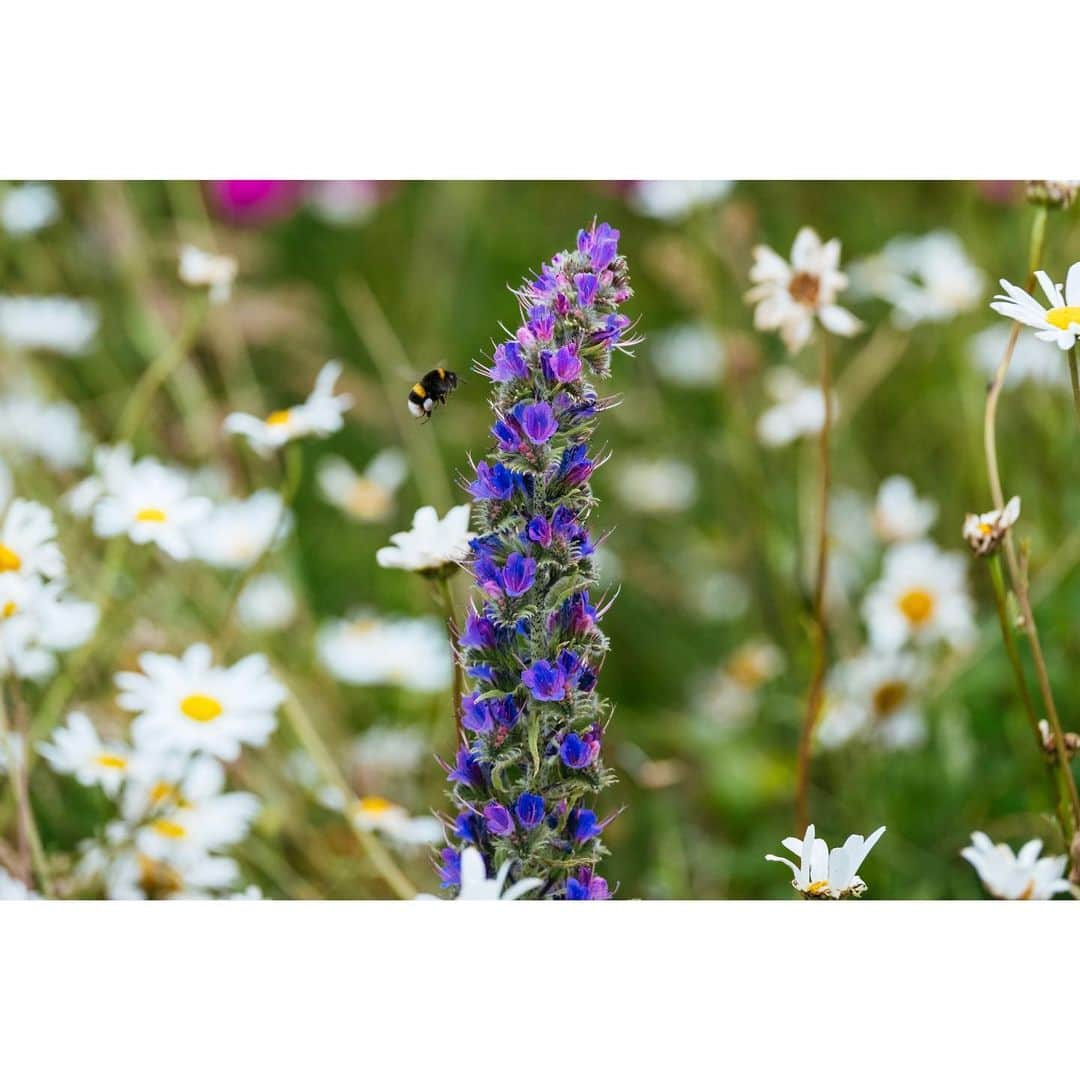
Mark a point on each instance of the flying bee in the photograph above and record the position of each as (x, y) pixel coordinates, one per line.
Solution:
(433, 389)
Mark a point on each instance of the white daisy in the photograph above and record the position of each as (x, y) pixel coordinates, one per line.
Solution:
(48, 323)
(799, 411)
(671, 200)
(202, 269)
(828, 875)
(266, 603)
(921, 597)
(432, 544)
(51, 431)
(37, 621)
(656, 485)
(875, 696)
(1032, 360)
(374, 813)
(730, 695)
(1060, 322)
(28, 208)
(321, 414)
(11, 889)
(899, 513)
(789, 296)
(77, 750)
(384, 752)
(1022, 876)
(366, 496)
(237, 533)
(476, 885)
(691, 355)
(28, 541)
(984, 532)
(112, 469)
(187, 704)
(133, 875)
(925, 278)
(365, 650)
(149, 503)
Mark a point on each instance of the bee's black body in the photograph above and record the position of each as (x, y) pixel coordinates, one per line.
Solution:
(433, 389)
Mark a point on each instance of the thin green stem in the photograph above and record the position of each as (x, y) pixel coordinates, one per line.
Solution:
(1074, 374)
(446, 602)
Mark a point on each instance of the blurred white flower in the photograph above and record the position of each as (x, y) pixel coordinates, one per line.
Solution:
(148, 502)
(37, 621)
(31, 427)
(12, 751)
(132, 875)
(187, 704)
(925, 278)
(1060, 323)
(321, 414)
(1022, 876)
(672, 200)
(28, 208)
(899, 513)
(720, 595)
(828, 875)
(1032, 360)
(374, 813)
(921, 597)
(202, 269)
(237, 533)
(48, 323)
(799, 410)
(984, 532)
(788, 297)
(730, 695)
(476, 885)
(112, 466)
(432, 544)
(875, 696)
(343, 202)
(10, 889)
(366, 496)
(76, 750)
(28, 542)
(365, 650)
(267, 602)
(7, 486)
(389, 751)
(689, 355)
(655, 486)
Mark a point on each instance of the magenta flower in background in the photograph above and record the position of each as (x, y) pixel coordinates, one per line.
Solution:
(253, 202)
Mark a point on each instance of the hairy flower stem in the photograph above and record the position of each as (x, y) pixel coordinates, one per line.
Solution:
(1074, 374)
(445, 600)
(1061, 806)
(816, 693)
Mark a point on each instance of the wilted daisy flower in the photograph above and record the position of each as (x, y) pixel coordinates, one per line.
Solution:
(77, 750)
(28, 541)
(984, 532)
(1032, 360)
(672, 200)
(149, 503)
(922, 597)
(185, 703)
(202, 269)
(799, 410)
(374, 813)
(267, 602)
(432, 545)
(689, 355)
(366, 496)
(51, 431)
(787, 297)
(36, 622)
(1054, 194)
(1060, 322)
(1022, 876)
(48, 323)
(899, 513)
(828, 875)
(11, 889)
(237, 533)
(28, 208)
(321, 414)
(875, 696)
(925, 278)
(655, 486)
(469, 874)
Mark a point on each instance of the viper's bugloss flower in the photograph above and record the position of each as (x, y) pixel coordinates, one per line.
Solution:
(532, 644)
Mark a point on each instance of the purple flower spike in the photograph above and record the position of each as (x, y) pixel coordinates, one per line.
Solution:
(605, 245)
(539, 531)
(565, 365)
(576, 752)
(508, 364)
(475, 715)
(545, 682)
(586, 885)
(466, 770)
(541, 322)
(530, 810)
(450, 871)
(582, 825)
(519, 574)
(479, 633)
(587, 284)
(537, 421)
(498, 820)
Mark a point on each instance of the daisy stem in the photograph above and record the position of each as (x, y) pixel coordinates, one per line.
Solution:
(446, 602)
(29, 837)
(1075, 375)
(816, 691)
(312, 743)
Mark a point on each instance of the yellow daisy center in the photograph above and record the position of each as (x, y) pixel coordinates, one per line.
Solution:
(8, 609)
(169, 829)
(367, 499)
(111, 761)
(162, 791)
(201, 708)
(1063, 317)
(889, 696)
(158, 880)
(817, 887)
(917, 605)
(985, 528)
(150, 513)
(374, 804)
(9, 560)
(278, 417)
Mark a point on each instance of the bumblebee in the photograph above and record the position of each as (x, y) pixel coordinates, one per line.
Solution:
(433, 389)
